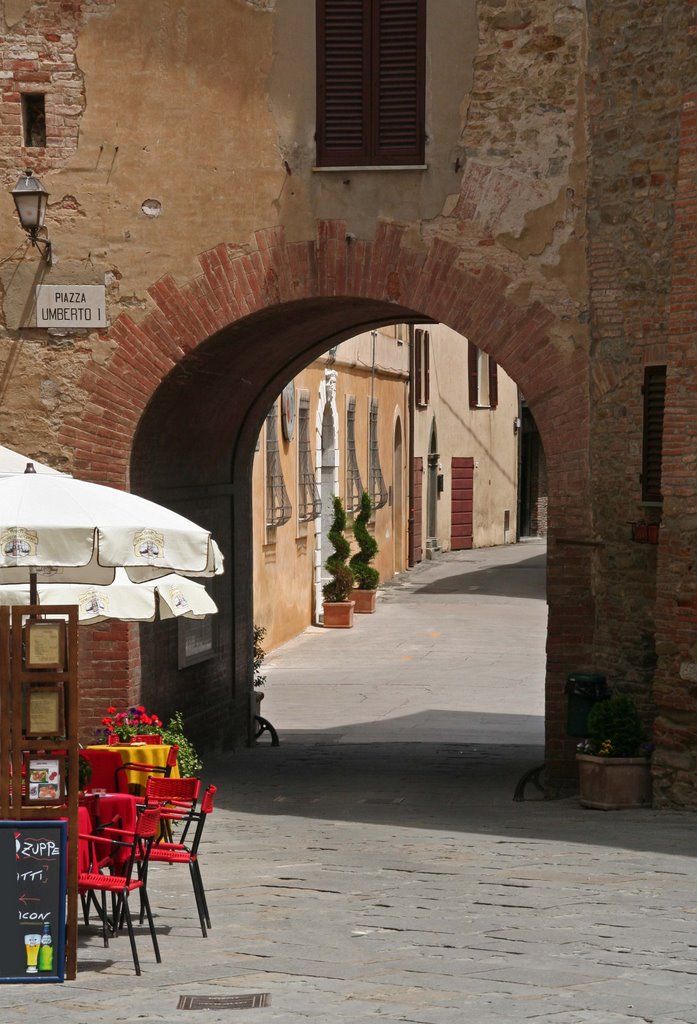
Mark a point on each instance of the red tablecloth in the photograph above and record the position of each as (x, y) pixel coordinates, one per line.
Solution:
(105, 809)
(154, 754)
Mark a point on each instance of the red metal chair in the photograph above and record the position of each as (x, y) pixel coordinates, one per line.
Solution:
(184, 852)
(139, 844)
(176, 799)
(148, 769)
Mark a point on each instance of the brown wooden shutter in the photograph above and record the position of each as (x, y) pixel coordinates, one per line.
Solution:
(462, 504)
(427, 367)
(343, 82)
(418, 368)
(371, 61)
(654, 407)
(493, 383)
(473, 374)
(399, 32)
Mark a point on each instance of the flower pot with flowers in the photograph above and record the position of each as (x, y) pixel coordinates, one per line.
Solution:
(123, 726)
(338, 605)
(613, 763)
(367, 577)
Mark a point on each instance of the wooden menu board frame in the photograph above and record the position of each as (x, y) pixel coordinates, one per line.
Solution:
(20, 676)
(33, 871)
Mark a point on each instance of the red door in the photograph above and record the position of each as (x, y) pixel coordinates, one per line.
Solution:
(415, 552)
(462, 476)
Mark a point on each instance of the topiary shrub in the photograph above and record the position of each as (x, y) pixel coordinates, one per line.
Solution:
(340, 586)
(615, 728)
(367, 578)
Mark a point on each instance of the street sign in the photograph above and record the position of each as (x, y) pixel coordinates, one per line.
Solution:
(71, 305)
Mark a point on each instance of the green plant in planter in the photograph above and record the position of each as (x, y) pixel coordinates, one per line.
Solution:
(340, 586)
(259, 655)
(616, 730)
(84, 769)
(367, 577)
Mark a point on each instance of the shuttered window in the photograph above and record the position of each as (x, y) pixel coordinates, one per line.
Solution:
(422, 368)
(654, 406)
(483, 380)
(370, 82)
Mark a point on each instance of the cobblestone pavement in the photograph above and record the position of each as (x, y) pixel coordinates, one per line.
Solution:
(398, 881)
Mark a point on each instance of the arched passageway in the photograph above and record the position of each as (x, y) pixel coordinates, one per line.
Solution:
(177, 410)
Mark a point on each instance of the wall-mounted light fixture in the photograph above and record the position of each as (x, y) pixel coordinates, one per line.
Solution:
(31, 199)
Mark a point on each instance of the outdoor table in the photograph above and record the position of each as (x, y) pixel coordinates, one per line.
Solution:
(105, 809)
(154, 754)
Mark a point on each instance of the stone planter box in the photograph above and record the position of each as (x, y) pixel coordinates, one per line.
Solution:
(365, 601)
(614, 783)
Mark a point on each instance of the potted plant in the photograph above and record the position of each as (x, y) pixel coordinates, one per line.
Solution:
(367, 578)
(338, 605)
(613, 763)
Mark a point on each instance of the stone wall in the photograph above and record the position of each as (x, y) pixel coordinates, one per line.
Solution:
(640, 57)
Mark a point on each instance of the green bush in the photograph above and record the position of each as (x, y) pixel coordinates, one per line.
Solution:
(259, 655)
(189, 762)
(367, 578)
(615, 728)
(340, 586)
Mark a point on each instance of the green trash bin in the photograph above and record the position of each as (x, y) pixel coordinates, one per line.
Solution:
(583, 689)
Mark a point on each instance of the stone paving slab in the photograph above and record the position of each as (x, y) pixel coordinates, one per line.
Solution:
(398, 882)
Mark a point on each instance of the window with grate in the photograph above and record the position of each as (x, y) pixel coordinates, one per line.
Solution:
(421, 368)
(654, 407)
(309, 500)
(482, 373)
(376, 483)
(278, 508)
(371, 61)
(354, 484)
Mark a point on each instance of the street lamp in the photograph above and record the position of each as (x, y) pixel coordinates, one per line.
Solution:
(31, 199)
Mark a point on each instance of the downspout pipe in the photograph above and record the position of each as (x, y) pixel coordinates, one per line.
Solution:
(410, 451)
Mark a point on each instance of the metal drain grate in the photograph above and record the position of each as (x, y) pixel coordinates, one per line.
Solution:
(224, 1002)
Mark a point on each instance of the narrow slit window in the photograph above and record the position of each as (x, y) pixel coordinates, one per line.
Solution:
(354, 484)
(654, 408)
(378, 491)
(278, 509)
(309, 500)
(34, 119)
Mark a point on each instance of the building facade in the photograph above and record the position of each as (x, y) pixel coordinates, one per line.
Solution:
(524, 174)
(422, 421)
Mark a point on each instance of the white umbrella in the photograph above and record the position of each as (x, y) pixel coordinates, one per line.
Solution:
(169, 597)
(14, 462)
(63, 530)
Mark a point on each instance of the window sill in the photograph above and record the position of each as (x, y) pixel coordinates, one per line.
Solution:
(371, 167)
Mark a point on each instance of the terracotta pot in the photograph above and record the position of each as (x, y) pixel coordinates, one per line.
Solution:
(365, 601)
(614, 783)
(338, 614)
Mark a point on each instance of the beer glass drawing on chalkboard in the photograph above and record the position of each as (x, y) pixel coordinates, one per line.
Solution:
(32, 944)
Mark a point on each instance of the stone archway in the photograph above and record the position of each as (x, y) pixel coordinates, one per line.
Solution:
(175, 411)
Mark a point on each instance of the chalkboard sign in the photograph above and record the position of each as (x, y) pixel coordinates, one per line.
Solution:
(33, 873)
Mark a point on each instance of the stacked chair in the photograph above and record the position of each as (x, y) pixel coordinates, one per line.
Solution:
(175, 800)
(97, 854)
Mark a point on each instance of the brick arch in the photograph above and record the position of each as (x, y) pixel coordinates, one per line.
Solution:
(275, 305)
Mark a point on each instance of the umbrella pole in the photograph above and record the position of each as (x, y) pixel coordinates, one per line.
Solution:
(33, 588)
